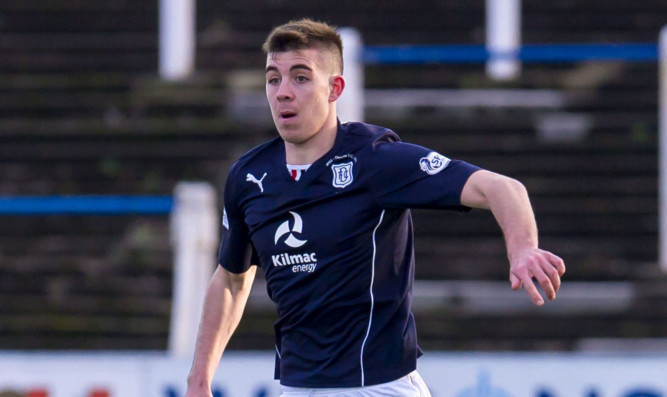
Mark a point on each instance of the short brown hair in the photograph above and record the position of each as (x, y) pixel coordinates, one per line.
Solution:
(302, 34)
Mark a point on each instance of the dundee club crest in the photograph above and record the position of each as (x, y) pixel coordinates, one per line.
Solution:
(342, 174)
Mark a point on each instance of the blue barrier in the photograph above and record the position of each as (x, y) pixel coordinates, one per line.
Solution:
(537, 53)
(86, 205)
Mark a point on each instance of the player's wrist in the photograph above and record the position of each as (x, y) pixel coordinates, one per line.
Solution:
(198, 381)
(517, 250)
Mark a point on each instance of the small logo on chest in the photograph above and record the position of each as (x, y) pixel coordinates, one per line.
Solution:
(251, 178)
(342, 174)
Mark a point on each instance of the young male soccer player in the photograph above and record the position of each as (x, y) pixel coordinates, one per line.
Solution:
(324, 209)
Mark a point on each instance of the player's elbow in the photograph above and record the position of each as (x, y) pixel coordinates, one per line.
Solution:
(514, 185)
(505, 186)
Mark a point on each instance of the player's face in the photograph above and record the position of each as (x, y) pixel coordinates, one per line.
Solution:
(300, 90)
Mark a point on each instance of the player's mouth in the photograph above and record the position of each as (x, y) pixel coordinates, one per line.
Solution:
(287, 115)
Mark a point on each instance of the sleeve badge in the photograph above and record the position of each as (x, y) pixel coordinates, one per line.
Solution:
(433, 163)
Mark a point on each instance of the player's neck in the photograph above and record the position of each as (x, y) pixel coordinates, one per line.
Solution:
(311, 150)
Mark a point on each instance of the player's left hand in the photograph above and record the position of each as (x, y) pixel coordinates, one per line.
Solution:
(543, 266)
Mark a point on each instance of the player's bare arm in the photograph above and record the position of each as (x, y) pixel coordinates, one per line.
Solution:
(226, 297)
(508, 201)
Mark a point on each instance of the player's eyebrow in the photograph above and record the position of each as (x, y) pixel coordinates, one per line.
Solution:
(301, 66)
(272, 68)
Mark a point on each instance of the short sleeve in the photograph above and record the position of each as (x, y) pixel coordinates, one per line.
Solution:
(412, 176)
(236, 252)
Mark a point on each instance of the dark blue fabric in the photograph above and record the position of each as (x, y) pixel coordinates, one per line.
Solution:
(336, 248)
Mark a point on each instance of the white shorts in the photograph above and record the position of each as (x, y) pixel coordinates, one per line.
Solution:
(411, 385)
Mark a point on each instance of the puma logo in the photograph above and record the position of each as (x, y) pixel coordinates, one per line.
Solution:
(251, 178)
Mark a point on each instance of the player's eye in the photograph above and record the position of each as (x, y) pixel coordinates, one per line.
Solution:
(301, 79)
(272, 80)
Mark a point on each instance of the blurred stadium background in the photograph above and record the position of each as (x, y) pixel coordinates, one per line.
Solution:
(83, 111)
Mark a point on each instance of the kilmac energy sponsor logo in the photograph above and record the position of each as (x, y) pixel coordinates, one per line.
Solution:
(299, 262)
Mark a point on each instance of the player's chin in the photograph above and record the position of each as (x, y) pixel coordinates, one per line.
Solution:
(285, 124)
(292, 135)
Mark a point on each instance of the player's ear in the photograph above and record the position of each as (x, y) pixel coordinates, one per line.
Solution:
(336, 86)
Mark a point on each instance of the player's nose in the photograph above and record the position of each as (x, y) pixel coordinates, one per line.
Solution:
(284, 92)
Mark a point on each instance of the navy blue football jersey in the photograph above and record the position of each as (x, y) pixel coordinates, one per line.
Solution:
(336, 248)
